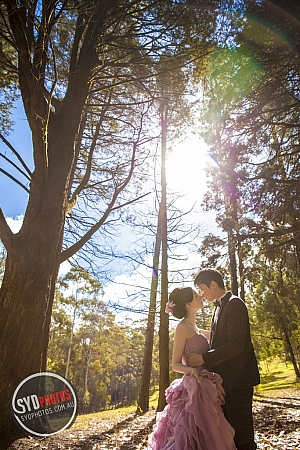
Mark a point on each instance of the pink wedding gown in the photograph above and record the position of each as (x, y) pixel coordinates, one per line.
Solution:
(193, 418)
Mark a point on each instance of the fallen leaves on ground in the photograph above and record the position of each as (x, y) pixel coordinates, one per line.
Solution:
(276, 416)
(277, 420)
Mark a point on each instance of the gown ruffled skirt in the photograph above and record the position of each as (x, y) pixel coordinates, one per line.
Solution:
(193, 418)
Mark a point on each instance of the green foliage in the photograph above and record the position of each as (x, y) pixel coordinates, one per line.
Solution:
(8, 78)
(231, 76)
(212, 250)
(274, 306)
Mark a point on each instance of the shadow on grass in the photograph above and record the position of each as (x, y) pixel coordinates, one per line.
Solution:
(276, 384)
(289, 402)
(88, 443)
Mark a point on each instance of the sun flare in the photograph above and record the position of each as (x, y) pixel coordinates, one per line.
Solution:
(185, 170)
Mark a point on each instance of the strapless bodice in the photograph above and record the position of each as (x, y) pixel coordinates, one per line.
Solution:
(195, 344)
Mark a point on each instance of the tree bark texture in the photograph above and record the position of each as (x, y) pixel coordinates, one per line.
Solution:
(26, 298)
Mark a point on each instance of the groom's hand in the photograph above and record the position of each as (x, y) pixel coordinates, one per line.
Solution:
(194, 360)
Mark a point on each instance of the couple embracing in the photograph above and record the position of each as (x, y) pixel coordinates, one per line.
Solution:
(210, 407)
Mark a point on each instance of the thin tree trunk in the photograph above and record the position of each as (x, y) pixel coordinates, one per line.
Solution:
(297, 246)
(231, 242)
(88, 359)
(230, 199)
(164, 379)
(122, 388)
(241, 268)
(143, 402)
(70, 344)
(128, 389)
(290, 349)
(232, 261)
(287, 340)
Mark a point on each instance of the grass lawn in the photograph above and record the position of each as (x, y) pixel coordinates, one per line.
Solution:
(276, 375)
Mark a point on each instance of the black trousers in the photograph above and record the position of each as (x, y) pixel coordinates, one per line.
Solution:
(238, 412)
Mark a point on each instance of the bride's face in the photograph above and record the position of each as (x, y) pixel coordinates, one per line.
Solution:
(197, 301)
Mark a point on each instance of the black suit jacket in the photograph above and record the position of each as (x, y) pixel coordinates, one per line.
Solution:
(232, 354)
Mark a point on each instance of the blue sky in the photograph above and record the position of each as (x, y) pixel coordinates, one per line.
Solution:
(13, 198)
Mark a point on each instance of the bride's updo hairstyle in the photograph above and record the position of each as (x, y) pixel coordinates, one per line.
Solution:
(180, 297)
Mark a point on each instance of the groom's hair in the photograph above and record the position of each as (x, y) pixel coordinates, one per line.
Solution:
(206, 276)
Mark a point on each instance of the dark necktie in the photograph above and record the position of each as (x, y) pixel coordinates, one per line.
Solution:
(217, 304)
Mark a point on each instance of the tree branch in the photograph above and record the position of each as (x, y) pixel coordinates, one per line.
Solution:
(14, 179)
(68, 253)
(15, 166)
(16, 154)
(86, 177)
(267, 337)
(130, 202)
(110, 207)
(269, 234)
(6, 235)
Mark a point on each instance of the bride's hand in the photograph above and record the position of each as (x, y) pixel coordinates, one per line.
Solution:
(195, 373)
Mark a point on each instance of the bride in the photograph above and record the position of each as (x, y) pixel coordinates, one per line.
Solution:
(193, 418)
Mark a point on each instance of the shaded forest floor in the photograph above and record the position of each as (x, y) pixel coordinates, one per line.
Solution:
(276, 415)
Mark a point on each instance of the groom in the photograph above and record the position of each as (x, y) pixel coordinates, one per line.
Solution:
(231, 355)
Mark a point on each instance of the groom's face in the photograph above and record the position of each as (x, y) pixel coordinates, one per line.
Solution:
(206, 292)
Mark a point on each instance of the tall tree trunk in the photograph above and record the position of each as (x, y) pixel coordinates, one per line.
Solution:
(27, 291)
(143, 401)
(164, 379)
